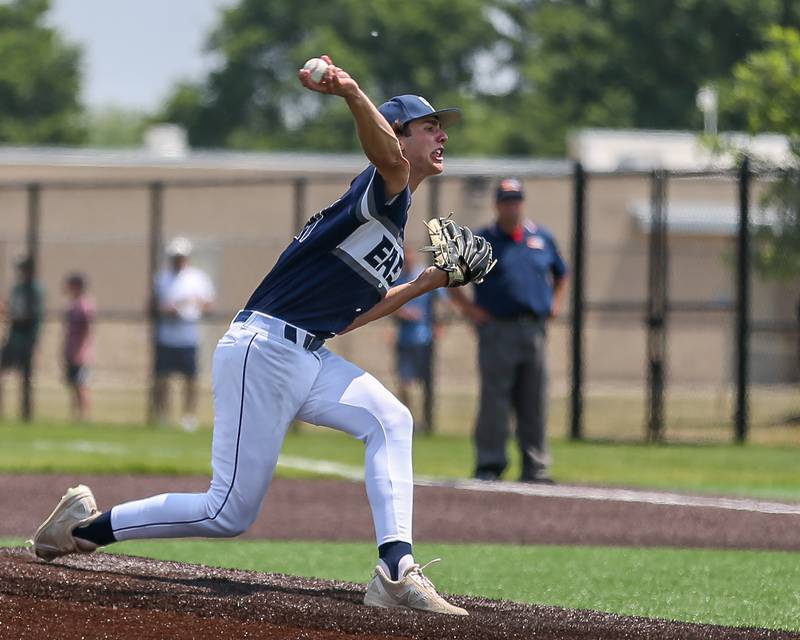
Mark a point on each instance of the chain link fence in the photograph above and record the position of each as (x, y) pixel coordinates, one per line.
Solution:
(670, 335)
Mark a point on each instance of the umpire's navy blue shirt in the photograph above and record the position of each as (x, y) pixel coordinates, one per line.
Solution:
(522, 280)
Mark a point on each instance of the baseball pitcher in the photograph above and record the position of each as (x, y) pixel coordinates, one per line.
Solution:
(272, 366)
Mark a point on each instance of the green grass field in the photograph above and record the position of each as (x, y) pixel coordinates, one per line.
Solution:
(753, 470)
(732, 588)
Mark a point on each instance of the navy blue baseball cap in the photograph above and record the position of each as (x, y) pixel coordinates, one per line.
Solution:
(509, 189)
(404, 109)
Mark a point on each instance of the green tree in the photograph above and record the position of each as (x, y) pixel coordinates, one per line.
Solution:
(39, 78)
(766, 85)
(116, 127)
(253, 100)
(627, 63)
(567, 64)
(766, 90)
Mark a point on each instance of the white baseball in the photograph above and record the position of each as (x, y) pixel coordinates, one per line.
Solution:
(317, 68)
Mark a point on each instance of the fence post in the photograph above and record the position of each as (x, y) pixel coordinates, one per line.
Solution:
(657, 306)
(743, 303)
(300, 215)
(34, 217)
(33, 240)
(578, 248)
(156, 243)
(431, 388)
(434, 198)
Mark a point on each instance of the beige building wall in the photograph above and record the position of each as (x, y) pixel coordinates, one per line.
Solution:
(240, 230)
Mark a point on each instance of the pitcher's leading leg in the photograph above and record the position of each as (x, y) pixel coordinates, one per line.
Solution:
(346, 398)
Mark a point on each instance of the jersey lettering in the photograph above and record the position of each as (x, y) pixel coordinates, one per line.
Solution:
(374, 253)
(313, 221)
(385, 259)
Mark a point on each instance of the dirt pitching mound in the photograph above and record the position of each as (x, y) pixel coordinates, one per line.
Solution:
(107, 596)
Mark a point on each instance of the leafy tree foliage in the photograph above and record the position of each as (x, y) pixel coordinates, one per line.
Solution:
(766, 85)
(571, 64)
(766, 89)
(628, 63)
(777, 245)
(39, 78)
(253, 100)
(116, 127)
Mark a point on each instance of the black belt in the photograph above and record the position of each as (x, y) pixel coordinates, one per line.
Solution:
(300, 337)
(525, 315)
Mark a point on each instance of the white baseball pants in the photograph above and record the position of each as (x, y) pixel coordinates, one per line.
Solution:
(261, 382)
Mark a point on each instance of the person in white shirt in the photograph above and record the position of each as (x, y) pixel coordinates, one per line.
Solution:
(183, 294)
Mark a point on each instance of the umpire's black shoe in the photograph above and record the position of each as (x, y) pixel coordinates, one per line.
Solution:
(539, 479)
(487, 475)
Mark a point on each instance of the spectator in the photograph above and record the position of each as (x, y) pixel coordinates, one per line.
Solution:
(24, 312)
(414, 344)
(183, 294)
(78, 320)
(510, 309)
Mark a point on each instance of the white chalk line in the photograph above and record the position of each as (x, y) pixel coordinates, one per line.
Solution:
(352, 472)
(79, 446)
(338, 469)
(601, 494)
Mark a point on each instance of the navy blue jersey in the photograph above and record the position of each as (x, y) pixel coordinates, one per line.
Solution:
(522, 280)
(341, 263)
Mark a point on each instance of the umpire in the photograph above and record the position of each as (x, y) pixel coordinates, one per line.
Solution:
(510, 310)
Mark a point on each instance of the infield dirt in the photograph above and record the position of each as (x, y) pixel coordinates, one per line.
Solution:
(108, 596)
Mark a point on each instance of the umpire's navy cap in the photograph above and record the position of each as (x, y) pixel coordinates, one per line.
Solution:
(509, 189)
(404, 109)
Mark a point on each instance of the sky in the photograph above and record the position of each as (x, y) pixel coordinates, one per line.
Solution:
(135, 50)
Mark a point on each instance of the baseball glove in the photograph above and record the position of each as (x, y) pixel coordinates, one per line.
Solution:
(458, 252)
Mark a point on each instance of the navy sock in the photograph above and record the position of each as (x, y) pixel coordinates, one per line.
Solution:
(98, 530)
(391, 552)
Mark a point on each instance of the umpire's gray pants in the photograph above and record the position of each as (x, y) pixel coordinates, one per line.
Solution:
(511, 357)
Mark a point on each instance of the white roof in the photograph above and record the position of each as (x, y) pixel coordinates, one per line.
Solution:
(283, 162)
(697, 217)
(613, 150)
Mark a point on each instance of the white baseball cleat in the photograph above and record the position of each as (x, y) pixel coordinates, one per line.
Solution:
(412, 591)
(53, 538)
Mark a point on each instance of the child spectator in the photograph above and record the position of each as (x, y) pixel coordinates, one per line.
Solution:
(78, 320)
